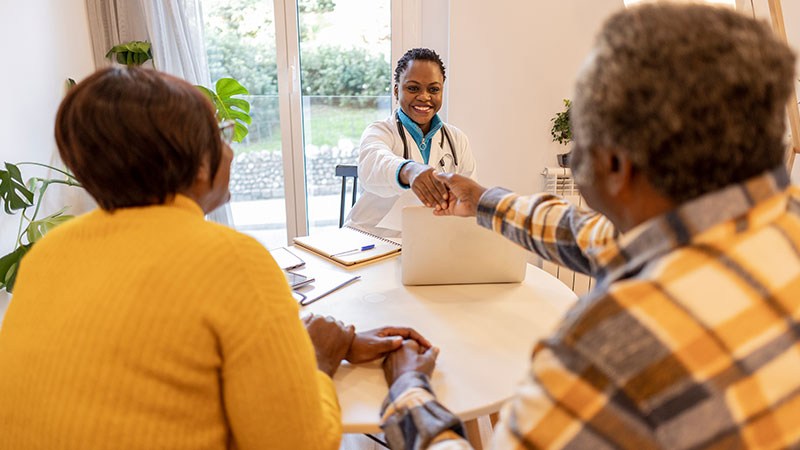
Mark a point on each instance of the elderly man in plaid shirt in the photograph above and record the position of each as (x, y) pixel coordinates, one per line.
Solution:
(690, 338)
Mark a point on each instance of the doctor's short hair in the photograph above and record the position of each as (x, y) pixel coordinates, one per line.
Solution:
(136, 137)
(417, 54)
(693, 94)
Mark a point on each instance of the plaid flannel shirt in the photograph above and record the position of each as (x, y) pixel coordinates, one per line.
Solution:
(689, 340)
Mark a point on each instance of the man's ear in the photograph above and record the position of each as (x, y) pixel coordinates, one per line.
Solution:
(396, 94)
(618, 169)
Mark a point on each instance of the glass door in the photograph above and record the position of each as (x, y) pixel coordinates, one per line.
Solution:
(318, 72)
(240, 42)
(345, 49)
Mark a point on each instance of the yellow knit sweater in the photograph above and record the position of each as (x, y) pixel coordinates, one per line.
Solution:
(150, 328)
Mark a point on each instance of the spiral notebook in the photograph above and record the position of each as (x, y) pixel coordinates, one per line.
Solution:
(331, 243)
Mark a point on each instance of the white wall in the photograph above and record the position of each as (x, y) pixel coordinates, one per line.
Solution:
(47, 41)
(791, 19)
(511, 64)
(418, 24)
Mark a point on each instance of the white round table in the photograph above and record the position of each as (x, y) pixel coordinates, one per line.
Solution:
(485, 332)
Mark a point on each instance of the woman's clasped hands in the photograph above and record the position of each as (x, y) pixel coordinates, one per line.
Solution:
(334, 341)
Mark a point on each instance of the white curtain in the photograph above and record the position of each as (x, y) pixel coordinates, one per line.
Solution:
(175, 30)
(113, 22)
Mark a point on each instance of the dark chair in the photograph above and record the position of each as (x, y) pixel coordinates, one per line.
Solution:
(346, 171)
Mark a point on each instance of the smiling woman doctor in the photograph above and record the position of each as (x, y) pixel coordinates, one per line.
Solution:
(402, 152)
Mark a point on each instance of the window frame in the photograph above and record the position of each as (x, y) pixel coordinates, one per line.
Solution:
(408, 21)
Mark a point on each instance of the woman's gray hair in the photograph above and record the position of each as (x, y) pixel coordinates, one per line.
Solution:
(694, 94)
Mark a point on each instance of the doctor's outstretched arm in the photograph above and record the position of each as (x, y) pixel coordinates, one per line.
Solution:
(465, 193)
(430, 191)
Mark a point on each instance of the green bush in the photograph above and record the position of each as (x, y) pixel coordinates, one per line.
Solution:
(324, 70)
(336, 71)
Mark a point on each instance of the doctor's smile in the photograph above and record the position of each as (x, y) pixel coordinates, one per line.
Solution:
(419, 92)
(401, 152)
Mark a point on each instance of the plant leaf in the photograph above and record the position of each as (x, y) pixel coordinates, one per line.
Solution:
(227, 87)
(13, 170)
(134, 53)
(239, 132)
(5, 264)
(13, 192)
(239, 116)
(38, 228)
(229, 108)
(50, 224)
(240, 103)
(9, 265)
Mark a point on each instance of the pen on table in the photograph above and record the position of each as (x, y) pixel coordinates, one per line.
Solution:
(361, 249)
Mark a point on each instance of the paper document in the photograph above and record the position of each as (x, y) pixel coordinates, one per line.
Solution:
(393, 220)
(327, 281)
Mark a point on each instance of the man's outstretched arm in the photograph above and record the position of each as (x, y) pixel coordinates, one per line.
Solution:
(543, 223)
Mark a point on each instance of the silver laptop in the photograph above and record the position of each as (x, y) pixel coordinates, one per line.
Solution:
(455, 250)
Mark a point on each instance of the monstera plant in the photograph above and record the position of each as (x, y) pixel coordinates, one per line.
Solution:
(228, 108)
(18, 196)
(237, 110)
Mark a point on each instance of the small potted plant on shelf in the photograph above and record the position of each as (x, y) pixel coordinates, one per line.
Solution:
(561, 132)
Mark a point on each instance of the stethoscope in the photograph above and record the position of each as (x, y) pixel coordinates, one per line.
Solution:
(445, 134)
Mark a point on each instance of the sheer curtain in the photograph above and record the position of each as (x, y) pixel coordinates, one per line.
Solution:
(113, 22)
(175, 30)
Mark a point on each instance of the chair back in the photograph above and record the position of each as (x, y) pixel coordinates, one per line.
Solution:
(346, 171)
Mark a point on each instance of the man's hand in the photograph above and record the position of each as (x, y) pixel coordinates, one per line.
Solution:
(409, 358)
(331, 339)
(464, 195)
(373, 344)
(430, 191)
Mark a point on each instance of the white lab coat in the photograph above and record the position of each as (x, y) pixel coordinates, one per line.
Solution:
(381, 153)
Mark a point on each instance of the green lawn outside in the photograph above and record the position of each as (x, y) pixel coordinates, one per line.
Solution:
(329, 123)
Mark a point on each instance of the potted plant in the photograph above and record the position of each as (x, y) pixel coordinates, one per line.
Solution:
(561, 132)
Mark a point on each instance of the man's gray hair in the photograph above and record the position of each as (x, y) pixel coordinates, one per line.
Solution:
(694, 94)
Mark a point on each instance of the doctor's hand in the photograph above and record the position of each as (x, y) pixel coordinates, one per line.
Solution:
(464, 195)
(331, 340)
(409, 358)
(430, 191)
(373, 344)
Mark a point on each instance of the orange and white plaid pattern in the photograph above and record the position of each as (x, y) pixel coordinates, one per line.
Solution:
(689, 340)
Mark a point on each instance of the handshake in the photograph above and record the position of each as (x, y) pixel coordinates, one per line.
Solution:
(448, 193)
(403, 348)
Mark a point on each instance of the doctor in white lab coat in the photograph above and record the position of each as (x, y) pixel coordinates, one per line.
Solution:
(402, 152)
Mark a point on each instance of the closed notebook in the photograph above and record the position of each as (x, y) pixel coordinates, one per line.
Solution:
(330, 243)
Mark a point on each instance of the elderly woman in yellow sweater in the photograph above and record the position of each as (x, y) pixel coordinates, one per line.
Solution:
(142, 326)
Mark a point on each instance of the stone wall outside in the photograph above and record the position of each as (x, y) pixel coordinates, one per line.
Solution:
(258, 175)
